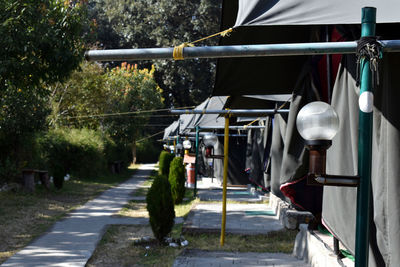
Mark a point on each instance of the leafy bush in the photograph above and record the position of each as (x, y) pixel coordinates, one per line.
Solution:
(147, 151)
(117, 152)
(164, 162)
(79, 152)
(8, 171)
(177, 179)
(160, 207)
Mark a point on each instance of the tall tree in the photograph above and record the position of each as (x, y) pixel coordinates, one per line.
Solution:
(162, 23)
(131, 90)
(80, 99)
(108, 99)
(41, 42)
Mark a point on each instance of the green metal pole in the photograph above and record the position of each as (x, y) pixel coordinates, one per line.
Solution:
(196, 168)
(368, 22)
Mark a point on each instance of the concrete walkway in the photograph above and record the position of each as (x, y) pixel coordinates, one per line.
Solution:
(239, 195)
(72, 241)
(199, 258)
(240, 219)
(245, 217)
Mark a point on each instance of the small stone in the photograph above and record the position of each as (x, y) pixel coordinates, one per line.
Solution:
(147, 247)
(184, 243)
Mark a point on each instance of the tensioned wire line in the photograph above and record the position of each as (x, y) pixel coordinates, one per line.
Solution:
(150, 136)
(125, 113)
(127, 116)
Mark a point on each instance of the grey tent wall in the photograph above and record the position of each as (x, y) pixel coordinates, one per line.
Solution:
(339, 204)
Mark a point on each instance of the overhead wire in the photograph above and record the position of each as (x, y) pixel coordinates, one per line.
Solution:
(123, 113)
(150, 136)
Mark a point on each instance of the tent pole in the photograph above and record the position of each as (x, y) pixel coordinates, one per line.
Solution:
(231, 112)
(364, 146)
(196, 167)
(260, 50)
(225, 178)
(328, 67)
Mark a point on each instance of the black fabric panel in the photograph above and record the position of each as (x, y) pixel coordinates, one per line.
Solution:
(255, 156)
(278, 135)
(260, 75)
(267, 153)
(241, 102)
(295, 157)
(237, 161)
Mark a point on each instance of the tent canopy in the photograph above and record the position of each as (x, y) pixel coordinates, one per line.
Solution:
(312, 12)
(289, 21)
(171, 130)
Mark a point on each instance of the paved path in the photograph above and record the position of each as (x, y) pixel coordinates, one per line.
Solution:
(240, 195)
(198, 258)
(240, 219)
(72, 241)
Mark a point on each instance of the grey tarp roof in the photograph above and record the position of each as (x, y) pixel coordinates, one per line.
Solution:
(312, 12)
(171, 130)
(190, 121)
(289, 21)
(256, 102)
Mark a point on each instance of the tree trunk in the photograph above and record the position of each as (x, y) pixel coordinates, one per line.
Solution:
(134, 152)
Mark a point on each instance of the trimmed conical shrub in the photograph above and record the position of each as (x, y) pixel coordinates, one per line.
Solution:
(177, 179)
(164, 162)
(160, 207)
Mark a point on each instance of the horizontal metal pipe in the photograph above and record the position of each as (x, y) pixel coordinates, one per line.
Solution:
(330, 180)
(202, 134)
(229, 111)
(260, 50)
(232, 127)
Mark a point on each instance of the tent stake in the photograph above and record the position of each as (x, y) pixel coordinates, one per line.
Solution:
(368, 23)
(225, 178)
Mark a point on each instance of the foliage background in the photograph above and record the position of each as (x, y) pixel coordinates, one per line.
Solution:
(163, 23)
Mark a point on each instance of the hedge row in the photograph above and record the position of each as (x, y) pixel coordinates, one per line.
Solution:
(83, 153)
